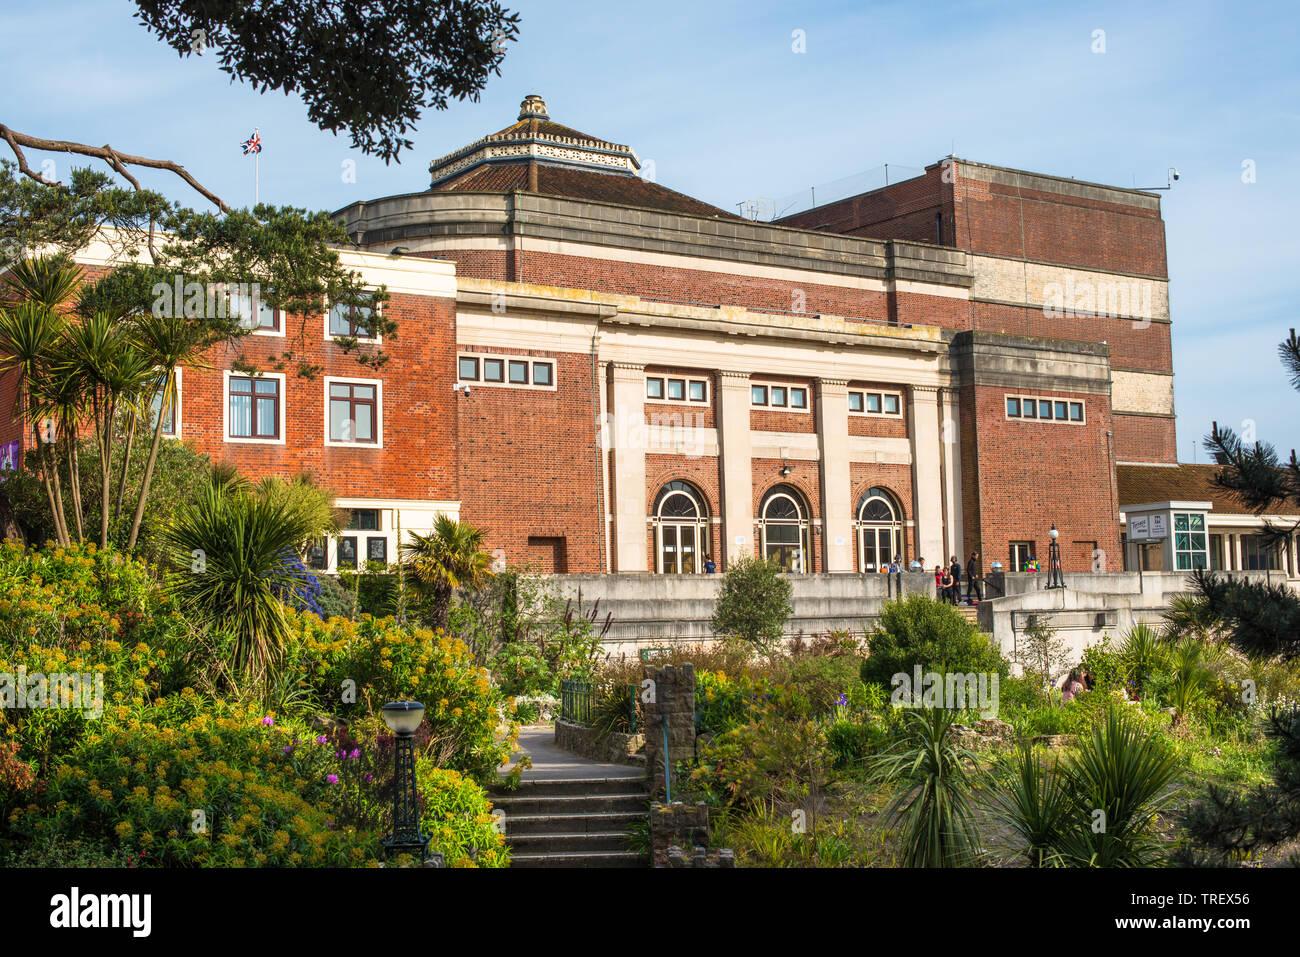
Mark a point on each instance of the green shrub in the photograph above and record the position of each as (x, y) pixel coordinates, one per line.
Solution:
(918, 630)
(457, 816)
(754, 602)
(1106, 665)
(354, 668)
(195, 784)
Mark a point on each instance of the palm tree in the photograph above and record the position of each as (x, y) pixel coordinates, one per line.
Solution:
(167, 342)
(449, 557)
(116, 372)
(1035, 807)
(933, 803)
(233, 553)
(28, 334)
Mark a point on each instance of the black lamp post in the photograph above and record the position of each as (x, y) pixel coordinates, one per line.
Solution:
(1055, 578)
(402, 718)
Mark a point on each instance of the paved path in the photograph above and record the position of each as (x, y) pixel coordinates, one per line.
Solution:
(550, 763)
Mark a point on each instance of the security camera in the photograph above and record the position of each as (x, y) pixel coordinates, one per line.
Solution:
(461, 387)
(1174, 173)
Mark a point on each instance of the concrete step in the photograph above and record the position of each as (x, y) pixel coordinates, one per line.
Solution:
(554, 787)
(580, 859)
(570, 804)
(577, 842)
(518, 825)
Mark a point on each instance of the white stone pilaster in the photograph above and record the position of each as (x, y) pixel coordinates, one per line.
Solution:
(950, 436)
(923, 401)
(735, 451)
(837, 504)
(626, 421)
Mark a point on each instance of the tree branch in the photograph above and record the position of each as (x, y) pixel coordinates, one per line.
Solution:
(118, 160)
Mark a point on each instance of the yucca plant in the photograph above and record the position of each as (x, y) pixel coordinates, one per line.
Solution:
(933, 800)
(1190, 616)
(1035, 807)
(1192, 674)
(1118, 782)
(1143, 652)
(233, 556)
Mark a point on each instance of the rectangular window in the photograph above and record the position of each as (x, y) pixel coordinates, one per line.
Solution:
(241, 309)
(676, 390)
(1044, 409)
(1058, 410)
(891, 404)
(350, 321)
(1190, 542)
(494, 370)
(354, 412)
(518, 373)
(543, 373)
(873, 403)
(778, 395)
(855, 401)
(1030, 409)
(758, 394)
(377, 549)
(1076, 411)
(1013, 407)
(798, 398)
(698, 391)
(348, 552)
(468, 369)
(169, 417)
(654, 388)
(364, 520)
(1022, 556)
(254, 408)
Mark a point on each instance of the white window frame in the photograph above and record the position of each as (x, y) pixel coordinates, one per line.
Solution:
(688, 380)
(176, 419)
(769, 385)
(1023, 398)
(882, 414)
(379, 412)
(226, 375)
(376, 310)
(506, 360)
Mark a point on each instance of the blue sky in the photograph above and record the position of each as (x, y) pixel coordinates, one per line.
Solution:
(713, 94)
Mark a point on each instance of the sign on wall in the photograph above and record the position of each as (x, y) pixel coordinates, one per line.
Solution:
(1139, 527)
(1159, 525)
(9, 456)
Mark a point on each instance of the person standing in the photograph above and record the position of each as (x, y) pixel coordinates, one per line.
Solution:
(949, 590)
(938, 582)
(954, 569)
(710, 567)
(973, 579)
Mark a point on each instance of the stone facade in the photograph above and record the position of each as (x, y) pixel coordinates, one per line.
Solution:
(679, 837)
(669, 721)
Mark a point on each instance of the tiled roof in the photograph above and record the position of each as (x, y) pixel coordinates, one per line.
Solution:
(536, 127)
(583, 184)
(1139, 484)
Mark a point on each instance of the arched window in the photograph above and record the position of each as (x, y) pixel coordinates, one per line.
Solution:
(681, 530)
(784, 526)
(880, 530)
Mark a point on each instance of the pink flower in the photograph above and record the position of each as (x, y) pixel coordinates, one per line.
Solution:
(268, 720)
(332, 778)
(356, 753)
(320, 739)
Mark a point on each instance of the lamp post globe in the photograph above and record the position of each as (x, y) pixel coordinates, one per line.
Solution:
(402, 718)
(1055, 576)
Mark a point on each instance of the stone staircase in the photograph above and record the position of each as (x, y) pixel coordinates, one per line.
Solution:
(573, 822)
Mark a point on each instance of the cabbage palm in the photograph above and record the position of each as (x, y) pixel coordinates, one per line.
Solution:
(1125, 773)
(1036, 807)
(167, 342)
(234, 556)
(933, 802)
(449, 557)
(29, 332)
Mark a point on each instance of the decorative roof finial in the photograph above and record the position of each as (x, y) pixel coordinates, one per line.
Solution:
(533, 107)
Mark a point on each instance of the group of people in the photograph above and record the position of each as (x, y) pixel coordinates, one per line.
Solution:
(947, 581)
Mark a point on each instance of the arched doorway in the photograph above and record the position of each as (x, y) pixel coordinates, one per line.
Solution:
(681, 530)
(880, 530)
(784, 527)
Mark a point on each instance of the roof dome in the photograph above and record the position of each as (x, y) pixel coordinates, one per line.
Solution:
(537, 155)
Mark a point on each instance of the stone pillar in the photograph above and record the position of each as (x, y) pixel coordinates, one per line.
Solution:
(672, 708)
(1236, 552)
(628, 431)
(735, 451)
(923, 401)
(837, 504)
(950, 437)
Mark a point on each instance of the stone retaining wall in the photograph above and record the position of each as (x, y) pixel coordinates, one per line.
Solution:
(611, 747)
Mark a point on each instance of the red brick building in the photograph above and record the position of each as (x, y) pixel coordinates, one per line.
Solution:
(609, 375)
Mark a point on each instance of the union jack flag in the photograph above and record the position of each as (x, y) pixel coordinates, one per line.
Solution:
(253, 144)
